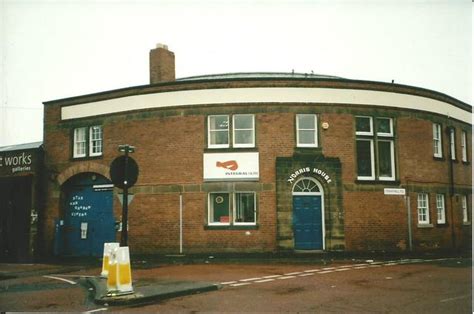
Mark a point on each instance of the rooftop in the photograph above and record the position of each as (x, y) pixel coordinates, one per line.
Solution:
(33, 145)
(247, 75)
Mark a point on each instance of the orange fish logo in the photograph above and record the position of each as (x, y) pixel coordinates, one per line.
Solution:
(229, 165)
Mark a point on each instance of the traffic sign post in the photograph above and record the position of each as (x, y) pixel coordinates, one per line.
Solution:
(124, 174)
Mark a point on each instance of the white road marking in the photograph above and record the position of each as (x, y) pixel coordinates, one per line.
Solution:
(265, 280)
(312, 270)
(326, 272)
(361, 267)
(328, 268)
(286, 277)
(97, 310)
(342, 269)
(240, 284)
(62, 279)
(455, 298)
(363, 264)
(345, 266)
(291, 274)
(272, 276)
(390, 264)
(250, 279)
(228, 282)
(307, 274)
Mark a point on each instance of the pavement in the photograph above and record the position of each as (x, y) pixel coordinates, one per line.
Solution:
(148, 289)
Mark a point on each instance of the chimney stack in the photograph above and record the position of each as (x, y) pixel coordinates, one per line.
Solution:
(161, 64)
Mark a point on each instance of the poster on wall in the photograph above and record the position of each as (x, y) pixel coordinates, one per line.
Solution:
(231, 166)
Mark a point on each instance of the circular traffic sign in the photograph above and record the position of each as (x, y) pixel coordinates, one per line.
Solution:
(117, 171)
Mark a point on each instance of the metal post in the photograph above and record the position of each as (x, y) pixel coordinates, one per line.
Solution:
(124, 235)
(180, 223)
(410, 237)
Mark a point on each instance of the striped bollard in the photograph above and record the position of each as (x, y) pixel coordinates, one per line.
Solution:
(108, 247)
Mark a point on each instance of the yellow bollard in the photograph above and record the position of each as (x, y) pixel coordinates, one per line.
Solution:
(124, 278)
(108, 247)
(113, 269)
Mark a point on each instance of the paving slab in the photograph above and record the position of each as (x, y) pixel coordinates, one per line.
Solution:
(148, 291)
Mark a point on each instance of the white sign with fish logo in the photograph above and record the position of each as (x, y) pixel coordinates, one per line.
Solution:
(231, 166)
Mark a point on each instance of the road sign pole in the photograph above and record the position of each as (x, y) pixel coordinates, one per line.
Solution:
(124, 235)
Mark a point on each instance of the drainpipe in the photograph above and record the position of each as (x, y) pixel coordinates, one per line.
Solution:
(451, 186)
(180, 223)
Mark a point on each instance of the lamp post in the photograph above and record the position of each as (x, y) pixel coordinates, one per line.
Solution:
(126, 149)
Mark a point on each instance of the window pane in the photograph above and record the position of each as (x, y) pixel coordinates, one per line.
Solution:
(364, 158)
(384, 125)
(219, 137)
(363, 124)
(79, 142)
(306, 137)
(243, 137)
(243, 122)
(385, 159)
(219, 208)
(306, 121)
(219, 122)
(245, 207)
(96, 140)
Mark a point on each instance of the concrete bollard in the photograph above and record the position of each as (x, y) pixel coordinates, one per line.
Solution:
(108, 247)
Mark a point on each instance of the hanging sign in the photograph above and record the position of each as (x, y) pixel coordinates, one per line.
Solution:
(231, 166)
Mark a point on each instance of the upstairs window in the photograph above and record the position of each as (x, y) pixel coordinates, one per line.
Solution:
(437, 141)
(87, 142)
(243, 131)
(452, 143)
(465, 212)
(306, 130)
(375, 148)
(464, 146)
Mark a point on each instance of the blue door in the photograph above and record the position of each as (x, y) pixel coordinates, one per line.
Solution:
(88, 221)
(307, 222)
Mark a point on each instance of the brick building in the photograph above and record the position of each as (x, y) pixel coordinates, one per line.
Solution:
(260, 162)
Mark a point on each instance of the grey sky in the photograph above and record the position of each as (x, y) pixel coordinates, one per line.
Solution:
(58, 49)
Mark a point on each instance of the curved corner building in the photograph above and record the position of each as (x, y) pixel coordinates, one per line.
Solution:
(260, 162)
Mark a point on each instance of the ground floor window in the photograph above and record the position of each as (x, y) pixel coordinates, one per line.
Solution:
(423, 209)
(441, 211)
(465, 213)
(237, 208)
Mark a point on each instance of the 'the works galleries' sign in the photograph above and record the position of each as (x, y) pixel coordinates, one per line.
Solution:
(12, 162)
(231, 166)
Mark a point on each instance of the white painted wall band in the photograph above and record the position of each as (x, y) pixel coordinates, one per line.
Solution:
(264, 95)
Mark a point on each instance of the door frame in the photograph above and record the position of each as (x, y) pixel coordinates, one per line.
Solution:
(312, 193)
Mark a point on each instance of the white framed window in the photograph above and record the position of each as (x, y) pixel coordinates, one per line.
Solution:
(80, 142)
(244, 130)
(364, 126)
(365, 159)
(375, 151)
(95, 140)
(218, 131)
(423, 209)
(237, 208)
(440, 209)
(452, 143)
(437, 141)
(306, 130)
(464, 145)
(219, 209)
(244, 208)
(465, 211)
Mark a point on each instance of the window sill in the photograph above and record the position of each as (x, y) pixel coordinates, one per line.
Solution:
(441, 224)
(467, 223)
(439, 158)
(232, 150)
(86, 158)
(231, 227)
(425, 226)
(467, 163)
(379, 182)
